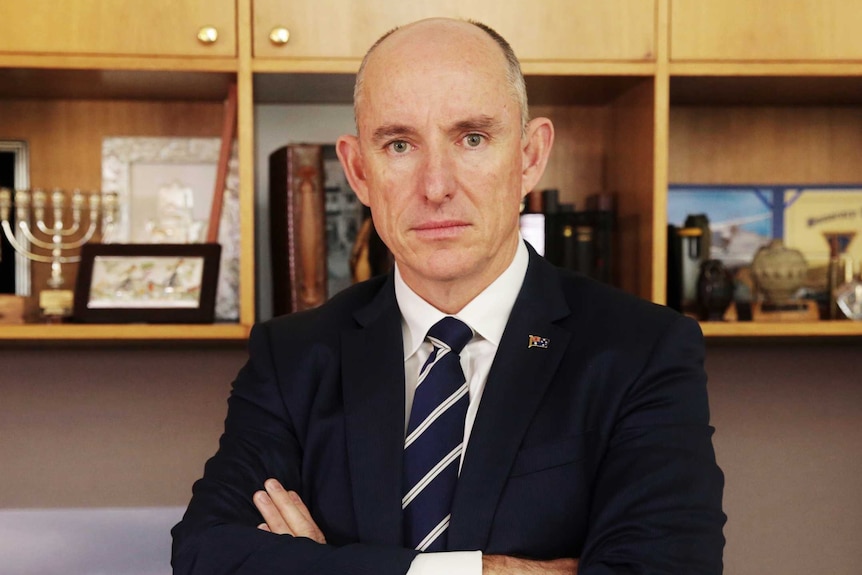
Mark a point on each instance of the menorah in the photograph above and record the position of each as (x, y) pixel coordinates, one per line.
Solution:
(56, 243)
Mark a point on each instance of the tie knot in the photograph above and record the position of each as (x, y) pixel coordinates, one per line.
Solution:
(453, 333)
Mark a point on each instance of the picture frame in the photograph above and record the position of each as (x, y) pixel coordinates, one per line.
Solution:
(745, 217)
(14, 174)
(137, 168)
(147, 283)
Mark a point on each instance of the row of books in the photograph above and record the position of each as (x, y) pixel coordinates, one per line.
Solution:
(581, 240)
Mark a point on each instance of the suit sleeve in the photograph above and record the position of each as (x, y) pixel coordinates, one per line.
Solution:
(657, 498)
(218, 534)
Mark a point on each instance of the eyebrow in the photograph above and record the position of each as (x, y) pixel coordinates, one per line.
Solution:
(390, 131)
(481, 123)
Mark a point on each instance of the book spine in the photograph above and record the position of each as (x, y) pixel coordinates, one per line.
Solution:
(298, 228)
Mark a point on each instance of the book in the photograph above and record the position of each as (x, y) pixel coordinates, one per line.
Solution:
(581, 241)
(297, 227)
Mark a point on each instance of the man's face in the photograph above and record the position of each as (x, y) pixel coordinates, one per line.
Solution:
(441, 157)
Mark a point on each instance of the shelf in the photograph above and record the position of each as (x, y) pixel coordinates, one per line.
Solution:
(89, 62)
(743, 69)
(123, 332)
(548, 85)
(767, 90)
(112, 84)
(781, 329)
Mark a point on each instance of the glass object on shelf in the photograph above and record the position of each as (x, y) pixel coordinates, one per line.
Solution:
(840, 270)
(849, 299)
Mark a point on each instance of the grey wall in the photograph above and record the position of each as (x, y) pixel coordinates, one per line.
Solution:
(132, 427)
(109, 426)
(788, 421)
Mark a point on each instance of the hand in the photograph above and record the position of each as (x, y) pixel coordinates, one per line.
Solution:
(284, 513)
(506, 565)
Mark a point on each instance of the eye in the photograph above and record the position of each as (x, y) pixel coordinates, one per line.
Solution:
(474, 140)
(399, 146)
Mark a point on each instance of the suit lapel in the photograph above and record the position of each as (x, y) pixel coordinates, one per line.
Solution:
(516, 384)
(373, 377)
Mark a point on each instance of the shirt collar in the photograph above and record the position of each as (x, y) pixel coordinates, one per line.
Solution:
(487, 313)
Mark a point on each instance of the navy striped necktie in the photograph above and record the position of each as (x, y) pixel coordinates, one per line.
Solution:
(435, 435)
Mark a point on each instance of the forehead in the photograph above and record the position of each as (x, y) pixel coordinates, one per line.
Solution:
(439, 67)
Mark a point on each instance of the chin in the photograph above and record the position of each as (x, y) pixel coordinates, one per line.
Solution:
(448, 271)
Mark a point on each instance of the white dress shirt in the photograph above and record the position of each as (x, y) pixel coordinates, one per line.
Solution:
(487, 315)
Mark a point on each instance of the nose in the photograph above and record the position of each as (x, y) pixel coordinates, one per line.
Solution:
(437, 174)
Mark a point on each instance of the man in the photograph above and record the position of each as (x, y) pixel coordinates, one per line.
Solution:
(583, 444)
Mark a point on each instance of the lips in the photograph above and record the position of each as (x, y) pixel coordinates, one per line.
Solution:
(441, 229)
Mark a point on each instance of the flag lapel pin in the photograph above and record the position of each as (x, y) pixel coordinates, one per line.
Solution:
(538, 341)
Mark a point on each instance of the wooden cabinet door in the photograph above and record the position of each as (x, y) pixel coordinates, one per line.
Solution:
(117, 27)
(537, 29)
(775, 30)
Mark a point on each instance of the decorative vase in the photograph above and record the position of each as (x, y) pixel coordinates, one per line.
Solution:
(714, 290)
(778, 271)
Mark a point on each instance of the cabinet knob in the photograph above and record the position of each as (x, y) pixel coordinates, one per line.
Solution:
(208, 35)
(279, 36)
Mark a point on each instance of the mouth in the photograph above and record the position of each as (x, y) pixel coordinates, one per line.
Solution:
(441, 229)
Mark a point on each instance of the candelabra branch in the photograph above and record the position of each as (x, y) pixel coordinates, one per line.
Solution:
(65, 232)
(88, 235)
(10, 236)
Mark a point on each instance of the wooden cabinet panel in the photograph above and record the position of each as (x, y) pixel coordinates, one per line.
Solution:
(110, 27)
(776, 30)
(537, 30)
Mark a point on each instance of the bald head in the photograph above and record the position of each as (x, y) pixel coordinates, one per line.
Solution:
(440, 32)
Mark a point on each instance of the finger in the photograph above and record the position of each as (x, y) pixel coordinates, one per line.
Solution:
(316, 533)
(270, 513)
(264, 527)
(300, 505)
(293, 511)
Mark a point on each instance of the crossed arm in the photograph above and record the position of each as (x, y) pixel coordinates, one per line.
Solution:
(284, 513)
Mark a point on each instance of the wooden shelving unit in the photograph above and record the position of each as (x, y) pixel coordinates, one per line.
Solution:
(643, 93)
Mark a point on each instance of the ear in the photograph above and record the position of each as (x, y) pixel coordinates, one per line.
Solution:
(537, 144)
(350, 156)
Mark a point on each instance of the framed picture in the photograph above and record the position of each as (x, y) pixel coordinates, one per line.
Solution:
(164, 188)
(148, 283)
(744, 218)
(741, 218)
(812, 215)
(14, 175)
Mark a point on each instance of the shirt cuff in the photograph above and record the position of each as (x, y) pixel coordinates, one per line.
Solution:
(450, 562)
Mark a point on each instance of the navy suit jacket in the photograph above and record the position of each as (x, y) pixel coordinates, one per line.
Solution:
(597, 447)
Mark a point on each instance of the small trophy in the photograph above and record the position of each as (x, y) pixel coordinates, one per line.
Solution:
(54, 243)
